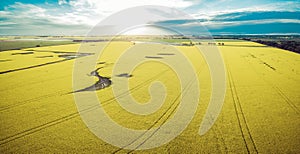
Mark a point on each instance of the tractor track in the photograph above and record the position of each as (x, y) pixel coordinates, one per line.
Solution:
(161, 117)
(59, 93)
(11, 87)
(156, 122)
(31, 100)
(287, 100)
(278, 90)
(240, 115)
(171, 108)
(71, 115)
(34, 66)
(219, 135)
(37, 128)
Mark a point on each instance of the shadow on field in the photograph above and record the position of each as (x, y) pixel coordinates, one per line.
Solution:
(101, 62)
(263, 62)
(44, 56)
(61, 54)
(153, 57)
(23, 53)
(5, 60)
(124, 75)
(166, 54)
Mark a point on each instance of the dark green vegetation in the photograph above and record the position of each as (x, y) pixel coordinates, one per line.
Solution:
(290, 42)
(282, 44)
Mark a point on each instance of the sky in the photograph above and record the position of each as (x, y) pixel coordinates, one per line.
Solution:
(77, 17)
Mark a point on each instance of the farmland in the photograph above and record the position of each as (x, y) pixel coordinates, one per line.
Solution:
(18, 42)
(260, 113)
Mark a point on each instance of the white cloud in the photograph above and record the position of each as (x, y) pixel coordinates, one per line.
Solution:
(84, 14)
(7, 23)
(117, 5)
(205, 12)
(99, 9)
(61, 2)
(222, 24)
(77, 13)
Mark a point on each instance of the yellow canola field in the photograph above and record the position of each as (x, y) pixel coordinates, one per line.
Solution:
(260, 114)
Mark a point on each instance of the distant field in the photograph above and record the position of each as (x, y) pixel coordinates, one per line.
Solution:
(187, 40)
(260, 113)
(21, 44)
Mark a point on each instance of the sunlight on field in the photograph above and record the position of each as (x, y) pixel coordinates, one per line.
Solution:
(260, 114)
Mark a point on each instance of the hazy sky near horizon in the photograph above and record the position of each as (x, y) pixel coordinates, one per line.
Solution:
(77, 17)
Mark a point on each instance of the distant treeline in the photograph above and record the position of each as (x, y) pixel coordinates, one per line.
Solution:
(290, 45)
(287, 45)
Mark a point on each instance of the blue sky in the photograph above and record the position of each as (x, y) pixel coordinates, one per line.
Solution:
(77, 17)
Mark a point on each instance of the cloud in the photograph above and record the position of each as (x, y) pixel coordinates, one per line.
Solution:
(76, 17)
(244, 22)
(31, 19)
(222, 24)
(72, 13)
(62, 2)
(209, 11)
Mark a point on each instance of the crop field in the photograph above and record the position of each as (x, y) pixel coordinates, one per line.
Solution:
(260, 113)
(7, 43)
